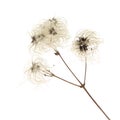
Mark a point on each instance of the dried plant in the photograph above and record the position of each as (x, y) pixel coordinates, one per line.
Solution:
(52, 34)
(38, 72)
(86, 43)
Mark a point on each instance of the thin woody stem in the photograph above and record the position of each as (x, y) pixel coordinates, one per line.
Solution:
(65, 80)
(57, 53)
(86, 92)
(95, 102)
(85, 71)
(82, 85)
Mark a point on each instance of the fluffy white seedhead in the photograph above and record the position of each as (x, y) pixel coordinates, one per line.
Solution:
(86, 43)
(38, 72)
(50, 34)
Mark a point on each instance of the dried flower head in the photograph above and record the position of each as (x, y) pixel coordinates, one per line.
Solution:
(86, 43)
(38, 72)
(51, 33)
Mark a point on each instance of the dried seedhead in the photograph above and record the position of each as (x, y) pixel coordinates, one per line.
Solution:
(85, 43)
(37, 72)
(51, 33)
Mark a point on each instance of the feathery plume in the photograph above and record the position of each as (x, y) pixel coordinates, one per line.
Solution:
(38, 72)
(50, 34)
(86, 43)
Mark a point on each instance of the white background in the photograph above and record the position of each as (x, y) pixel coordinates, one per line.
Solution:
(55, 100)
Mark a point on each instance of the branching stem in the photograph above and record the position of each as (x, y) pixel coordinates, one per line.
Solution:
(57, 53)
(82, 85)
(65, 80)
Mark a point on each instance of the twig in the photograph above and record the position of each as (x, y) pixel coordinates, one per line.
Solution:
(57, 53)
(95, 102)
(65, 80)
(82, 85)
(85, 71)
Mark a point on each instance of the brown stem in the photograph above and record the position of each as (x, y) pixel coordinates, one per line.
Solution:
(57, 53)
(85, 71)
(95, 102)
(82, 85)
(86, 92)
(65, 80)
